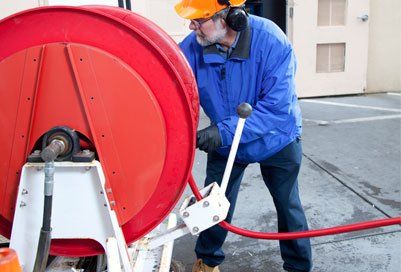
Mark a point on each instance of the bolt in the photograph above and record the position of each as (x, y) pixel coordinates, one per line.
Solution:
(24, 192)
(101, 192)
(206, 204)
(185, 214)
(39, 168)
(36, 152)
(195, 229)
(86, 152)
(108, 190)
(112, 203)
(216, 218)
(22, 204)
(88, 168)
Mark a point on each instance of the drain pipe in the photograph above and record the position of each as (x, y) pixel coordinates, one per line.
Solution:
(121, 3)
(128, 4)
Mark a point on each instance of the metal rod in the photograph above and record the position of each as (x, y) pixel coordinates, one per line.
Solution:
(244, 110)
(233, 152)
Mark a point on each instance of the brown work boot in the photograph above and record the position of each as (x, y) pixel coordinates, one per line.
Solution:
(199, 266)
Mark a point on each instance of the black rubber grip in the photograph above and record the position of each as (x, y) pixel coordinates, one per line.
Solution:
(244, 110)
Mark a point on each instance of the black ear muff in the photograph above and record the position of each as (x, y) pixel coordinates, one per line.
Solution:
(237, 17)
(224, 2)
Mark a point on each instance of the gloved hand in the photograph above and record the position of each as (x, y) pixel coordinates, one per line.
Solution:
(208, 139)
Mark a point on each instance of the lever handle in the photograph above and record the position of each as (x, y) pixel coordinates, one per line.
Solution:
(244, 110)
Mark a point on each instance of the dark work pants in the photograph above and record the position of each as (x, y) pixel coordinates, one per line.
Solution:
(280, 174)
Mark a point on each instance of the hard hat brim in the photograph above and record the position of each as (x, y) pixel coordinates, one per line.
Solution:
(188, 12)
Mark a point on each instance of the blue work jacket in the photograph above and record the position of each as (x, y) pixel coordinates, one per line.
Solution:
(259, 71)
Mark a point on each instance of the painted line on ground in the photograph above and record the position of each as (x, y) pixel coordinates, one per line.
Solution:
(350, 105)
(353, 120)
(397, 94)
(319, 122)
(366, 119)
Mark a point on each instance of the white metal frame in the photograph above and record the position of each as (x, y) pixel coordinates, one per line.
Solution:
(75, 184)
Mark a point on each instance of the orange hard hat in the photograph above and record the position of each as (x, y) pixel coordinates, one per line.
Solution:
(196, 9)
(9, 261)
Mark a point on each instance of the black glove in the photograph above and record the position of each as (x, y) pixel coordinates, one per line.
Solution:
(208, 139)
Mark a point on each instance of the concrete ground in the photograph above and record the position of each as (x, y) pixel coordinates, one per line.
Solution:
(350, 173)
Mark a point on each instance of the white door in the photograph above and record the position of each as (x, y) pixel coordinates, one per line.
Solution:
(330, 38)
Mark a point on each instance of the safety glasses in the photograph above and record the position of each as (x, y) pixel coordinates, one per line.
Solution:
(199, 22)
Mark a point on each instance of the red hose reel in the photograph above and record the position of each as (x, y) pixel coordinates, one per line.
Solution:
(122, 84)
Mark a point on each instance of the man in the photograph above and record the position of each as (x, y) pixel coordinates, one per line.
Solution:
(235, 59)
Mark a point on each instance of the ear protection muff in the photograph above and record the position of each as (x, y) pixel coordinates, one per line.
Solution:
(237, 17)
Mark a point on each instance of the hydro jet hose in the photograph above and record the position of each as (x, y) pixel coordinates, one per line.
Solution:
(299, 234)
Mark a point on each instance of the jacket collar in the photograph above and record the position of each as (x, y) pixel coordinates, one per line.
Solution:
(211, 53)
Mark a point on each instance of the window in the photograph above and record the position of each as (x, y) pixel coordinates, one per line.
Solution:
(330, 58)
(331, 12)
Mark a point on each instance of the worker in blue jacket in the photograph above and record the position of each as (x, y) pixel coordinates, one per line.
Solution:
(239, 58)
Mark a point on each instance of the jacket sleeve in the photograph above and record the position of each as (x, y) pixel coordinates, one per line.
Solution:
(272, 112)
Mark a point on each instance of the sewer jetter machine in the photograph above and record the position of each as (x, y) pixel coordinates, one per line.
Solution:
(99, 111)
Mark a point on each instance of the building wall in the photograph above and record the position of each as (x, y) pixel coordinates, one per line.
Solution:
(162, 13)
(8, 7)
(384, 59)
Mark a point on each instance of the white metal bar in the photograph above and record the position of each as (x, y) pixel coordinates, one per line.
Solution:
(113, 256)
(167, 254)
(233, 152)
(168, 236)
(122, 246)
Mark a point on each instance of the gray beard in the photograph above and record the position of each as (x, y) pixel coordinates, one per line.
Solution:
(217, 37)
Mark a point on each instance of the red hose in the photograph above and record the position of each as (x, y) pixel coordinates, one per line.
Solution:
(300, 234)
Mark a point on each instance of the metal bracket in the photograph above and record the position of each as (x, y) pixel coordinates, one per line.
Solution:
(74, 185)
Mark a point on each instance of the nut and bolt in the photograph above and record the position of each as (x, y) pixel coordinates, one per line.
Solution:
(185, 214)
(86, 152)
(216, 218)
(195, 229)
(206, 204)
(112, 203)
(39, 168)
(88, 168)
(22, 204)
(24, 192)
(36, 152)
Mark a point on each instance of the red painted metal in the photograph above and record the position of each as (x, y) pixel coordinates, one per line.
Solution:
(117, 79)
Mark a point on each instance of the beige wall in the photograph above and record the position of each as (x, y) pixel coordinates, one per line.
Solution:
(8, 7)
(162, 13)
(384, 59)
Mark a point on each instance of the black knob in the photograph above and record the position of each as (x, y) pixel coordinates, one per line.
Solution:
(244, 110)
